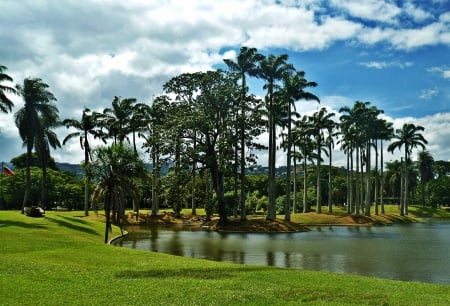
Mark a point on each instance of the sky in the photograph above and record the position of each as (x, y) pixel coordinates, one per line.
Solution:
(393, 54)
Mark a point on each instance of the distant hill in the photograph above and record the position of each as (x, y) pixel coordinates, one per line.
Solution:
(74, 168)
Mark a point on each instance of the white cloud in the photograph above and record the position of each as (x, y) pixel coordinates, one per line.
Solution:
(416, 13)
(427, 94)
(382, 65)
(443, 70)
(376, 10)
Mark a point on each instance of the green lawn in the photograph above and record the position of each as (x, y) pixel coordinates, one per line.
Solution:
(61, 260)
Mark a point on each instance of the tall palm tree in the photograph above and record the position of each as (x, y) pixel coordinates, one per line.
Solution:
(272, 69)
(39, 107)
(302, 136)
(46, 139)
(321, 121)
(246, 64)
(6, 104)
(385, 132)
(88, 125)
(425, 164)
(408, 137)
(294, 85)
(117, 118)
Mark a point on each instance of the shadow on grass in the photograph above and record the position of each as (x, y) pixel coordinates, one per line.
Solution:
(75, 220)
(73, 226)
(189, 273)
(5, 223)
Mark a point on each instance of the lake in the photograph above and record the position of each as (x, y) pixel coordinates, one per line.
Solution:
(414, 252)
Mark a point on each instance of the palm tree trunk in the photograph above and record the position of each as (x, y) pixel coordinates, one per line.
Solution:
(26, 197)
(382, 178)
(330, 189)
(368, 182)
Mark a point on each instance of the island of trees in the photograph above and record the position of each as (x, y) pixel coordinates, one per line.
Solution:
(204, 129)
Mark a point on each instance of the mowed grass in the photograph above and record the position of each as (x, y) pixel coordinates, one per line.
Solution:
(61, 260)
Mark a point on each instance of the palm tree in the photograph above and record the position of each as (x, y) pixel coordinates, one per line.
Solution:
(6, 104)
(272, 69)
(117, 119)
(293, 90)
(116, 169)
(46, 139)
(39, 107)
(302, 133)
(385, 132)
(321, 120)
(88, 125)
(331, 133)
(425, 162)
(246, 63)
(408, 137)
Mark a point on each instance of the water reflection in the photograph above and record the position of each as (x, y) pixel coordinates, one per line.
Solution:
(416, 252)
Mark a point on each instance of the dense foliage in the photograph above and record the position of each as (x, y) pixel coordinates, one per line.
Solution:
(204, 129)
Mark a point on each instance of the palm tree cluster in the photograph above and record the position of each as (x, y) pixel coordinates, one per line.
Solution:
(207, 124)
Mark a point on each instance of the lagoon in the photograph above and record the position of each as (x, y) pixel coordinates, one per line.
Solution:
(413, 252)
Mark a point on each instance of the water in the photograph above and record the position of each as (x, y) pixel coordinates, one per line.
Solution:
(416, 252)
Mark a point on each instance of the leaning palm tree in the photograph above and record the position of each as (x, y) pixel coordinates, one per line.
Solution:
(39, 107)
(246, 64)
(88, 125)
(408, 137)
(6, 104)
(116, 169)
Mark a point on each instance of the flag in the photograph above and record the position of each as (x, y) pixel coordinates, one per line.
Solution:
(6, 170)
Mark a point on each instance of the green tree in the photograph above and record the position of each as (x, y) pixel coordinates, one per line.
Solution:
(321, 120)
(272, 69)
(116, 169)
(425, 164)
(246, 64)
(46, 139)
(88, 125)
(39, 108)
(210, 98)
(294, 85)
(408, 137)
(6, 104)
(117, 118)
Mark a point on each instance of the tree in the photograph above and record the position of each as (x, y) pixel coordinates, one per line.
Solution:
(272, 70)
(46, 139)
(408, 137)
(320, 120)
(210, 98)
(39, 108)
(246, 64)
(88, 125)
(117, 118)
(425, 164)
(294, 85)
(116, 169)
(6, 104)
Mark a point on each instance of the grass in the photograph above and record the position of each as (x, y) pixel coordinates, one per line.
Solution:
(61, 260)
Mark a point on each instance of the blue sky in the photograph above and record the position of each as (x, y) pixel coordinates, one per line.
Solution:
(395, 54)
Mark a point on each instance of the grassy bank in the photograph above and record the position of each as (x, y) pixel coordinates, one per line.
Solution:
(61, 260)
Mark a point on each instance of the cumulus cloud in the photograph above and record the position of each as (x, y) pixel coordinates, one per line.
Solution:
(89, 51)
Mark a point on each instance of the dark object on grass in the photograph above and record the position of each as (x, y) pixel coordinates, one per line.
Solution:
(34, 211)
